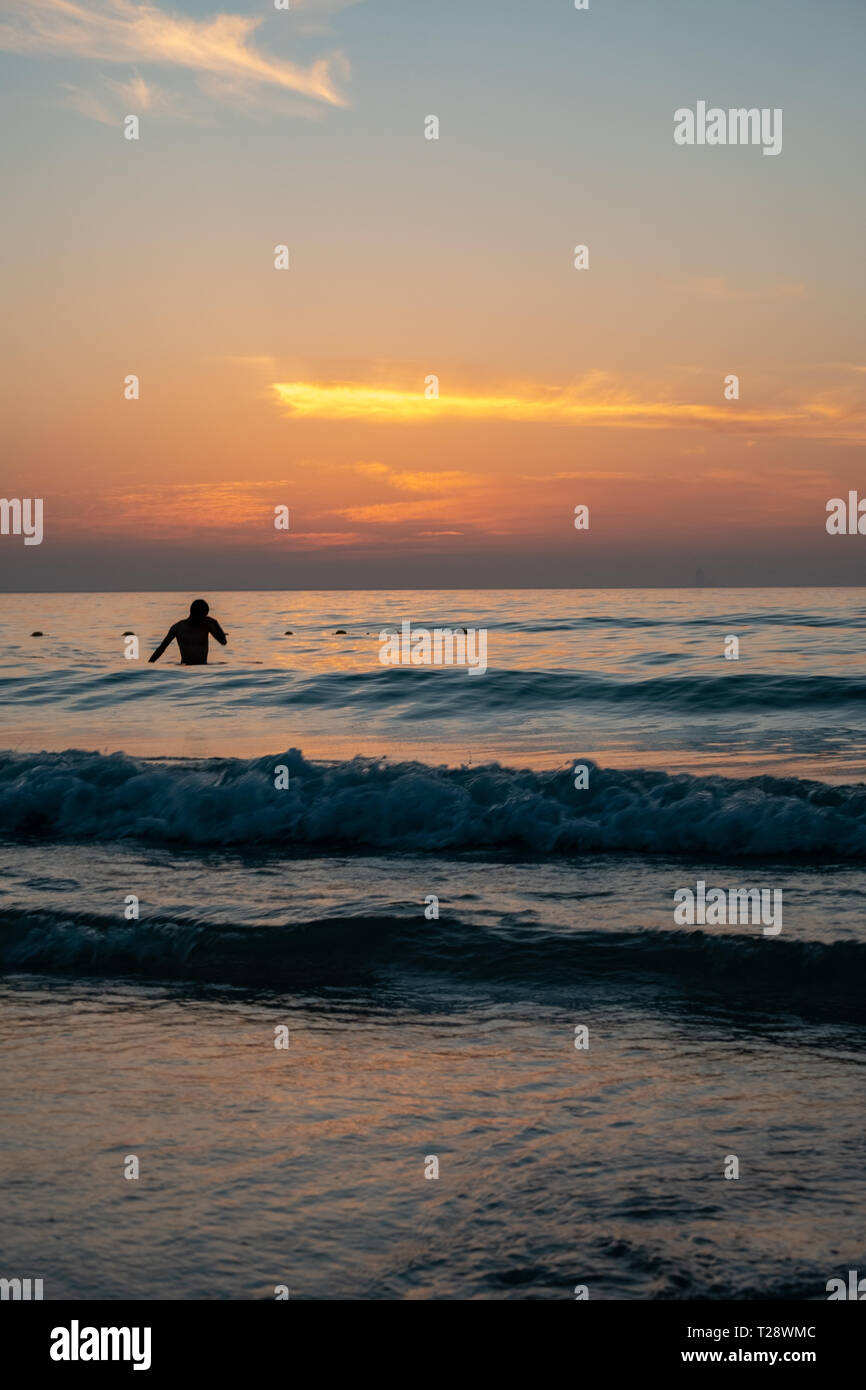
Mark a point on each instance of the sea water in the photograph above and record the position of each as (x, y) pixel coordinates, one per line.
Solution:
(416, 1031)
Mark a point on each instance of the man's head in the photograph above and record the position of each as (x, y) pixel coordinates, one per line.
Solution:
(198, 609)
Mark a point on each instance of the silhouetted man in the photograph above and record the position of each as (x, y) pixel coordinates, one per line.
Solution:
(192, 634)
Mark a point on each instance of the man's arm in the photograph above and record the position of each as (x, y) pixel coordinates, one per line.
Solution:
(166, 642)
(216, 631)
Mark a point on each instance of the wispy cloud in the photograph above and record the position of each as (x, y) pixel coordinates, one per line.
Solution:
(108, 101)
(138, 94)
(599, 400)
(172, 509)
(87, 103)
(584, 475)
(435, 496)
(398, 513)
(219, 52)
(445, 481)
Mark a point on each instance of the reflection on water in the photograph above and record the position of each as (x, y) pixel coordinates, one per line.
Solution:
(629, 678)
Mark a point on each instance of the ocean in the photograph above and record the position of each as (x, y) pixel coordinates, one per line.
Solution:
(457, 911)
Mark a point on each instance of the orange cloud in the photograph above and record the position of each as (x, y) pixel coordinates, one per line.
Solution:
(393, 512)
(598, 400)
(406, 481)
(180, 509)
(118, 31)
(432, 482)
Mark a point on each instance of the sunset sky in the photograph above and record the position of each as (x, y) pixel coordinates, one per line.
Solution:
(413, 257)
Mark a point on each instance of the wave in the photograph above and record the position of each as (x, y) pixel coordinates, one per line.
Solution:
(348, 951)
(851, 618)
(446, 692)
(378, 806)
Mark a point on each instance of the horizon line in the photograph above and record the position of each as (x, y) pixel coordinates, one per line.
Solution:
(434, 588)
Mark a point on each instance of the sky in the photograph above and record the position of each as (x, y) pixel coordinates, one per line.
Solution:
(414, 258)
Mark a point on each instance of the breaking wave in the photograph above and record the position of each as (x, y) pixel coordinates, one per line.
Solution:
(352, 951)
(381, 806)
